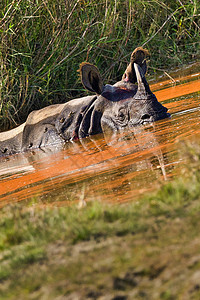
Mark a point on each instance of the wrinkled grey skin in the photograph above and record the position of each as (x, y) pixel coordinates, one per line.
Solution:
(112, 108)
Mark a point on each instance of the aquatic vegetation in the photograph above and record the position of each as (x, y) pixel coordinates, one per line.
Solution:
(43, 42)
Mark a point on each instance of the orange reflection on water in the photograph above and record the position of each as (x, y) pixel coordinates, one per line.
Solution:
(115, 168)
(175, 81)
(177, 91)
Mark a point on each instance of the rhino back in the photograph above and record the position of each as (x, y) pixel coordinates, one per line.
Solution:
(38, 126)
(40, 129)
(11, 141)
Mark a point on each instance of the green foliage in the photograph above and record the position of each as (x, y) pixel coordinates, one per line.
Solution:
(108, 247)
(43, 42)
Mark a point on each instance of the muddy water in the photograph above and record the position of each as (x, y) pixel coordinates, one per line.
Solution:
(115, 168)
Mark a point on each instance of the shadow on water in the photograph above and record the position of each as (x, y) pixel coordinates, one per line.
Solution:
(113, 168)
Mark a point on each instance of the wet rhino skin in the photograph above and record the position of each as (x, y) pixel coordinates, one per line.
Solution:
(127, 103)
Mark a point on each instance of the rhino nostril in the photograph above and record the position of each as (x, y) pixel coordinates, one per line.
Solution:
(146, 117)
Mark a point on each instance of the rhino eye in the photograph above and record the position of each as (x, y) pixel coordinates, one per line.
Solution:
(122, 114)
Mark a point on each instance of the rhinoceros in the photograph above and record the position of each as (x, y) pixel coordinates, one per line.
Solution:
(127, 103)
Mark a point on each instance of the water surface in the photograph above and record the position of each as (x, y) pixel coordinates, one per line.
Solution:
(116, 168)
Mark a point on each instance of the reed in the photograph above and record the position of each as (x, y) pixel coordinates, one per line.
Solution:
(43, 42)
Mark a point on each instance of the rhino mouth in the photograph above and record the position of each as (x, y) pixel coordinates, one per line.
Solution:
(146, 119)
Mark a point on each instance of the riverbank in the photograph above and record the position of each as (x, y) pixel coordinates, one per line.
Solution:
(144, 250)
(43, 43)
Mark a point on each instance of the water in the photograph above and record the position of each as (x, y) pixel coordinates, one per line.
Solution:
(116, 168)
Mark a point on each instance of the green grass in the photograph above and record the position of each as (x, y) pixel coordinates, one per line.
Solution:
(43, 42)
(144, 250)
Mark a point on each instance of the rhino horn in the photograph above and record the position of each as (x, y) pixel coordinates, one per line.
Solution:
(143, 91)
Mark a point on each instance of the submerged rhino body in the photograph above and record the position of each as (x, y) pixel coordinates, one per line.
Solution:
(113, 107)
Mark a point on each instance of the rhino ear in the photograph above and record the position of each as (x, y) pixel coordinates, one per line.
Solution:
(91, 78)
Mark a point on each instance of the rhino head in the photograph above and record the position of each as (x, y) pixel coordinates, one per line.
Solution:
(127, 103)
